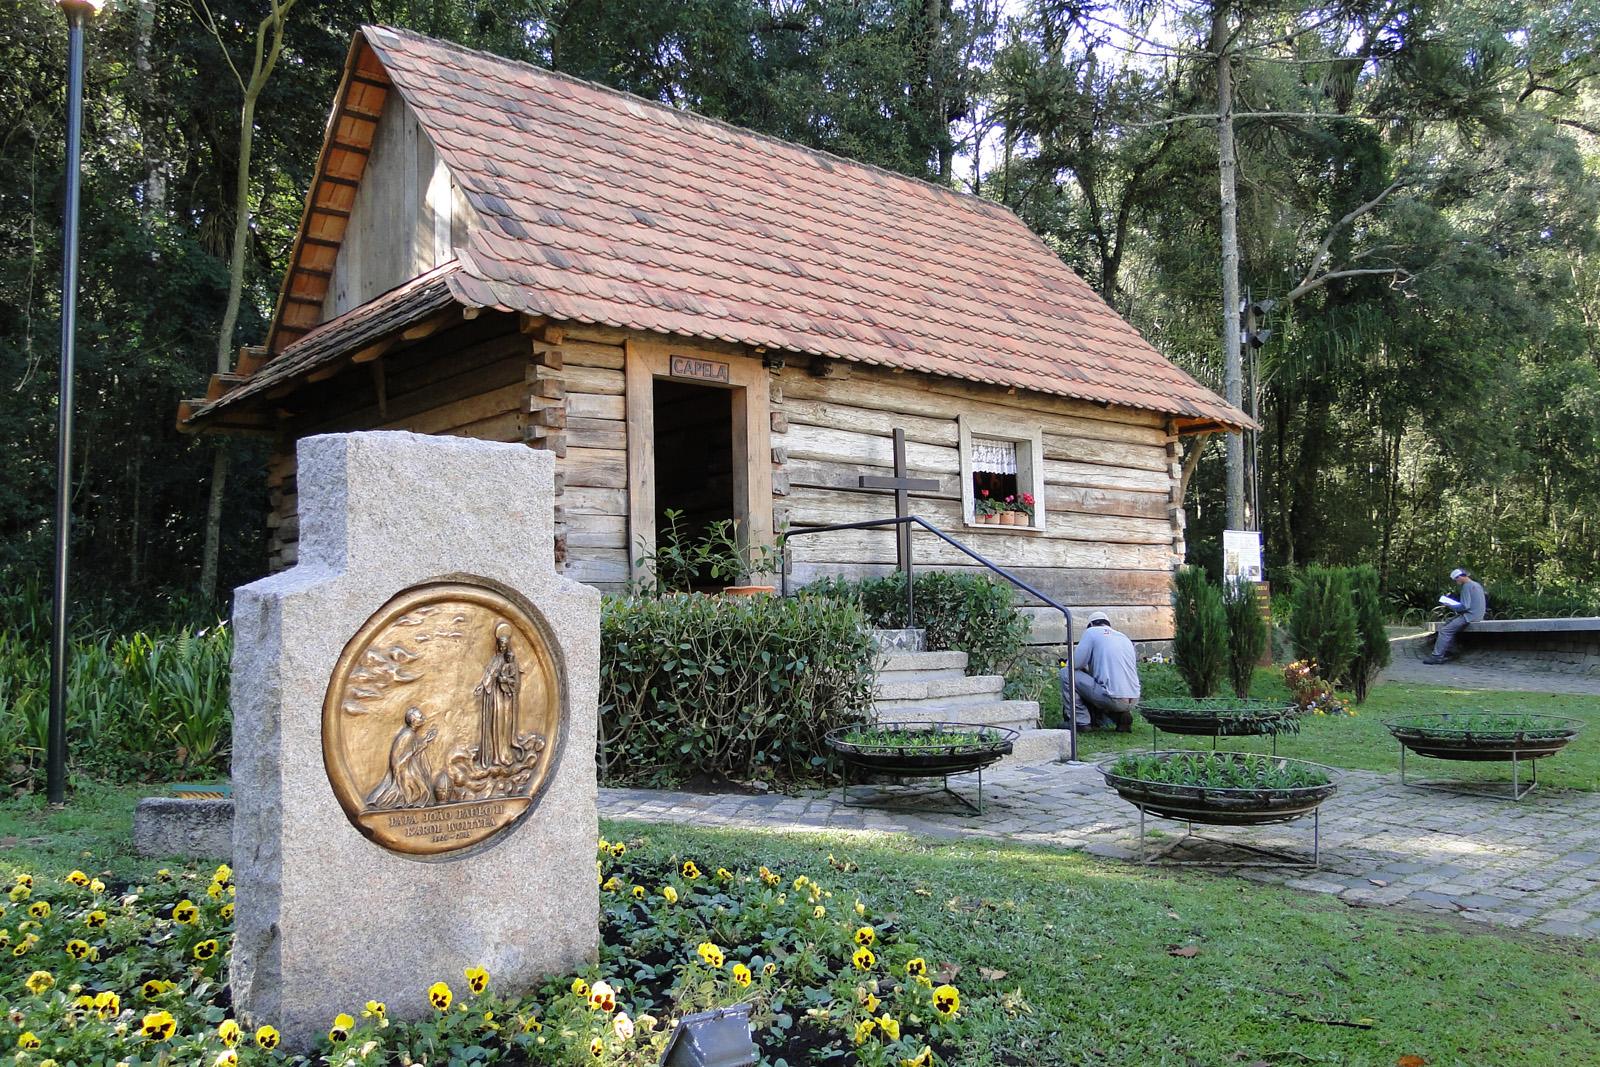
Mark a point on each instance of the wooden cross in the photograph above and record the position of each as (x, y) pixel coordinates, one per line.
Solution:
(902, 486)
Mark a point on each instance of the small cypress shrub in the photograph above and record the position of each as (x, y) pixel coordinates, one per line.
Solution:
(1200, 644)
(1322, 626)
(1247, 634)
(1372, 641)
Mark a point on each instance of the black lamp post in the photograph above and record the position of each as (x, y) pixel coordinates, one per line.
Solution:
(78, 13)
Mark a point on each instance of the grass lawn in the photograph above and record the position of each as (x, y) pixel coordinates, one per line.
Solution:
(1362, 743)
(1064, 959)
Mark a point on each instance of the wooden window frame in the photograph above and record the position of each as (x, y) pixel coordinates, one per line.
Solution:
(750, 386)
(1029, 440)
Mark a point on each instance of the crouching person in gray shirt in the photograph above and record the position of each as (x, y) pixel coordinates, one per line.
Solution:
(1105, 674)
(1473, 607)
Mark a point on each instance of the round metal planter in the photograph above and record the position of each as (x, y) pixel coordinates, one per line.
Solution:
(1220, 716)
(914, 760)
(1457, 736)
(1237, 806)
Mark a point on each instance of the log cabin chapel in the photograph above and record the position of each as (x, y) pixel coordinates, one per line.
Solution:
(697, 317)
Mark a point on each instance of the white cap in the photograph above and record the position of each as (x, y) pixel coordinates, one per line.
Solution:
(1457, 573)
(1099, 616)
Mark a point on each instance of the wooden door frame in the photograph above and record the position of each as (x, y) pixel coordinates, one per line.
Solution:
(748, 382)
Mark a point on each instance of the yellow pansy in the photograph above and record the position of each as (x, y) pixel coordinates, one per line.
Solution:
(223, 873)
(741, 974)
(228, 1033)
(267, 1038)
(185, 912)
(818, 912)
(439, 996)
(78, 949)
(78, 878)
(531, 1024)
(158, 1026)
(769, 969)
(916, 965)
(226, 1058)
(670, 893)
(710, 953)
(107, 1004)
(39, 909)
(638, 892)
(890, 1026)
(579, 987)
(154, 988)
(597, 1048)
(863, 959)
(477, 979)
(947, 1000)
(39, 981)
(227, 911)
(28, 1040)
(206, 949)
(602, 998)
(20, 892)
(689, 870)
(866, 935)
(921, 1059)
(612, 884)
(97, 886)
(340, 1030)
(375, 1009)
(864, 1029)
(724, 875)
(95, 920)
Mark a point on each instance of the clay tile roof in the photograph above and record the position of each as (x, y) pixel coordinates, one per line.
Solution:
(605, 208)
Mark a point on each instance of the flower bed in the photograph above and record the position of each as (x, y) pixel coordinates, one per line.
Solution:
(1220, 788)
(916, 749)
(1484, 737)
(136, 974)
(1221, 716)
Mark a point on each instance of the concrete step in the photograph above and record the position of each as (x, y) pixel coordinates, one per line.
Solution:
(1038, 746)
(1012, 714)
(894, 693)
(904, 662)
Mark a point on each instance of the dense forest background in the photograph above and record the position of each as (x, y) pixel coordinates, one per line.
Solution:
(1419, 186)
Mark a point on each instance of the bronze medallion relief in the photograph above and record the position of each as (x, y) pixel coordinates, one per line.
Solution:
(442, 719)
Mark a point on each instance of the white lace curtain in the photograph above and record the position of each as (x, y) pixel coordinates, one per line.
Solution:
(994, 457)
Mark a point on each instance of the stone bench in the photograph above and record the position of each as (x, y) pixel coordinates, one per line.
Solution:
(1570, 646)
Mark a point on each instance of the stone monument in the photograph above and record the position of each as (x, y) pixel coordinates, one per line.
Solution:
(414, 711)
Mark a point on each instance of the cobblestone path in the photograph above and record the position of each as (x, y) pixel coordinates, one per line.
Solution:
(1532, 864)
(1467, 674)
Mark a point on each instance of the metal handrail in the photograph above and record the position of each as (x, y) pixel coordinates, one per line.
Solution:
(1070, 711)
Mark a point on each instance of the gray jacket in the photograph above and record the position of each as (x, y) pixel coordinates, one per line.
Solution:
(1474, 605)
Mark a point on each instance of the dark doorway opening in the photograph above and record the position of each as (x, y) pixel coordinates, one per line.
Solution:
(693, 459)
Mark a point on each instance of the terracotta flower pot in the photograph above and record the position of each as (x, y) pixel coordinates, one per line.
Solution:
(749, 590)
(1008, 518)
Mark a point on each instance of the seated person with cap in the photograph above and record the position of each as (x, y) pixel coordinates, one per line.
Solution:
(1105, 674)
(1469, 607)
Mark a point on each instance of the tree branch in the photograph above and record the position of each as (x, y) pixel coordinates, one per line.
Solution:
(1400, 274)
(1320, 256)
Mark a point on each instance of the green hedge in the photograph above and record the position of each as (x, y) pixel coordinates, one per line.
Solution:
(959, 612)
(736, 687)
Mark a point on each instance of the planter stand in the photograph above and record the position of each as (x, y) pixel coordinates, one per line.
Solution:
(1190, 718)
(1476, 789)
(1459, 739)
(911, 795)
(913, 761)
(1269, 857)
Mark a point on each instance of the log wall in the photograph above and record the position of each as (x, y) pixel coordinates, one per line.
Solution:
(1113, 531)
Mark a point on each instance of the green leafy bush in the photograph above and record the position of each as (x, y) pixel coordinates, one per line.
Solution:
(1247, 634)
(139, 706)
(742, 687)
(1372, 640)
(1200, 643)
(1323, 626)
(960, 612)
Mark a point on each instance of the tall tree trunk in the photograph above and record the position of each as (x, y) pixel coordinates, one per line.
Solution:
(1227, 167)
(268, 47)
